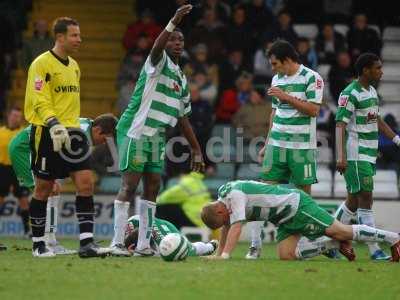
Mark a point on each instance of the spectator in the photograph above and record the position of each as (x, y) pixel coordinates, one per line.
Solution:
(261, 66)
(130, 67)
(201, 63)
(180, 204)
(328, 43)
(238, 33)
(389, 157)
(253, 117)
(233, 98)
(307, 55)
(209, 30)
(340, 74)
(231, 68)
(223, 10)
(260, 17)
(40, 42)
(8, 45)
(208, 91)
(283, 29)
(202, 120)
(146, 24)
(363, 39)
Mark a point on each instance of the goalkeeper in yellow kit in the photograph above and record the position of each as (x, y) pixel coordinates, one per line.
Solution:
(59, 148)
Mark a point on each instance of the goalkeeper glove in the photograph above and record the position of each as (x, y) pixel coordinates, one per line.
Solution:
(59, 135)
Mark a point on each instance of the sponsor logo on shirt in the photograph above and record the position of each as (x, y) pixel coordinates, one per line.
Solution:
(176, 87)
(372, 117)
(67, 89)
(38, 84)
(343, 99)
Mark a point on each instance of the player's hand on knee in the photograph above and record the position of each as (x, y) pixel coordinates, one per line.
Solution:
(59, 135)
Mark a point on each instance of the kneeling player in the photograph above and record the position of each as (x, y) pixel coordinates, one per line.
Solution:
(19, 151)
(296, 215)
(160, 229)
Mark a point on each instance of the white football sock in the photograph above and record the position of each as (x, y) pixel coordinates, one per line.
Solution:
(345, 215)
(51, 219)
(366, 233)
(366, 217)
(202, 248)
(307, 249)
(147, 211)
(121, 209)
(255, 232)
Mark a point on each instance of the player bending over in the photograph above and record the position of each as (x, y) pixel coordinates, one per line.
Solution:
(294, 213)
(96, 130)
(159, 230)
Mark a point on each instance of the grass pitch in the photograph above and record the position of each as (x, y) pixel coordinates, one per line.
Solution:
(69, 277)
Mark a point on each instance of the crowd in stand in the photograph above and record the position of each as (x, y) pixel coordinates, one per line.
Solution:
(226, 63)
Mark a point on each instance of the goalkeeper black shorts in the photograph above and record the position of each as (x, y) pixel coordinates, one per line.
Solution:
(48, 164)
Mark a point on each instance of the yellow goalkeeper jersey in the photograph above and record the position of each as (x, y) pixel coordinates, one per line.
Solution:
(53, 90)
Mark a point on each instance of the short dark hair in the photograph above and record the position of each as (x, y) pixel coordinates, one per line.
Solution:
(61, 24)
(365, 60)
(283, 50)
(107, 123)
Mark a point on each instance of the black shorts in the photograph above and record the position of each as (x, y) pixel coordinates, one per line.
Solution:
(48, 164)
(8, 180)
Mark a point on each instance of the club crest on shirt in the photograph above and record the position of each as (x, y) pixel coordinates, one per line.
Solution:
(38, 83)
(343, 99)
(176, 87)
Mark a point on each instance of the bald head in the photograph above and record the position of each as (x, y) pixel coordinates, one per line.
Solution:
(215, 215)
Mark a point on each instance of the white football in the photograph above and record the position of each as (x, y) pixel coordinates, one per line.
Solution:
(174, 247)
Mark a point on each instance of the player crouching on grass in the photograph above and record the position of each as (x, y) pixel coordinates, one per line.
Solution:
(294, 213)
(159, 230)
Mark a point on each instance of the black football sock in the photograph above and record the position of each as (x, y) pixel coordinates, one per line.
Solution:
(85, 215)
(37, 212)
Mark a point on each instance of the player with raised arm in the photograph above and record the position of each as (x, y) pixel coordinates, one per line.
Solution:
(289, 153)
(96, 130)
(357, 126)
(160, 229)
(295, 214)
(161, 99)
(52, 107)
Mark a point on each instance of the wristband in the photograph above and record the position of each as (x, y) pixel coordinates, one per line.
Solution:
(225, 255)
(52, 121)
(396, 140)
(170, 27)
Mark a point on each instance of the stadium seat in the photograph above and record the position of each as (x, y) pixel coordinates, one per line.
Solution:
(324, 155)
(226, 132)
(322, 189)
(323, 70)
(389, 92)
(392, 108)
(306, 30)
(386, 185)
(390, 52)
(195, 234)
(341, 28)
(391, 34)
(391, 72)
(213, 184)
(339, 190)
(225, 171)
(376, 28)
(248, 171)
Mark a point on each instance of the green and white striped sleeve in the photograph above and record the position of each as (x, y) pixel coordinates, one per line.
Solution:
(314, 88)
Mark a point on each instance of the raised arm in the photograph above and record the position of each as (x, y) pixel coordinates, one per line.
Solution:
(162, 39)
